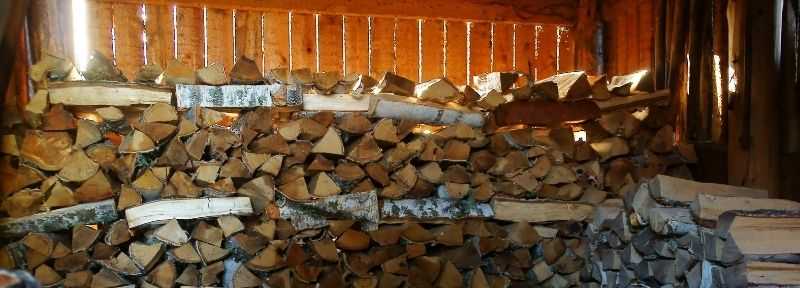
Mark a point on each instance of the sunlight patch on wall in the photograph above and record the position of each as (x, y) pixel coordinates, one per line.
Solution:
(80, 31)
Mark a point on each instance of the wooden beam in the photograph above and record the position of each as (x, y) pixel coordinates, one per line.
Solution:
(633, 101)
(517, 210)
(187, 209)
(106, 94)
(674, 189)
(336, 102)
(540, 11)
(60, 219)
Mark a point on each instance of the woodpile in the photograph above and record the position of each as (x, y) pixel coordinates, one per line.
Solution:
(241, 185)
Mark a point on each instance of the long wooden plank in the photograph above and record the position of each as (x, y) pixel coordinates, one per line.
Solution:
(304, 44)
(546, 51)
(456, 54)
(128, 27)
(191, 45)
(540, 211)
(768, 274)
(503, 47)
(480, 48)
(187, 209)
(763, 235)
(107, 94)
(682, 190)
(248, 36)
(540, 11)
(158, 26)
(710, 207)
(407, 49)
(276, 40)
(566, 50)
(636, 100)
(356, 40)
(382, 57)
(331, 39)
(100, 26)
(219, 42)
(432, 49)
(524, 49)
(60, 219)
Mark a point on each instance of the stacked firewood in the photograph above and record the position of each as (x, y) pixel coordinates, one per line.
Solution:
(675, 232)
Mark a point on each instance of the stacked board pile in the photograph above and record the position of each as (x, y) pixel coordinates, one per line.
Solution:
(157, 196)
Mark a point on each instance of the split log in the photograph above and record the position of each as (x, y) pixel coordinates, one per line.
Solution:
(227, 96)
(213, 74)
(87, 93)
(671, 221)
(708, 208)
(330, 143)
(398, 107)
(499, 81)
(437, 90)
(245, 71)
(431, 210)
(46, 150)
(540, 211)
(178, 73)
(672, 189)
(624, 85)
(633, 101)
(361, 207)
(187, 209)
(761, 234)
(60, 219)
(393, 83)
(572, 86)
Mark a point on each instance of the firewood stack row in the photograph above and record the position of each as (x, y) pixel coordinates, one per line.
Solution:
(675, 232)
(158, 196)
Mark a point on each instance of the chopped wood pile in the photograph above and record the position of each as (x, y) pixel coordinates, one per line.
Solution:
(427, 185)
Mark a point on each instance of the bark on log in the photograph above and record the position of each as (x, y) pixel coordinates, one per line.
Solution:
(432, 210)
(228, 96)
(398, 107)
(60, 219)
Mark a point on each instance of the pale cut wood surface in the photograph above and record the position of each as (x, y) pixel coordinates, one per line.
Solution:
(407, 49)
(276, 40)
(106, 93)
(503, 51)
(330, 43)
(382, 58)
(770, 273)
(709, 207)
(60, 219)
(187, 209)
(636, 100)
(431, 210)
(456, 63)
(765, 235)
(357, 45)
(432, 49)
(191, 45)
(540, 211)
(304, 42)
(336, 102)
(399, 107)
(227, 96)
(682, 190)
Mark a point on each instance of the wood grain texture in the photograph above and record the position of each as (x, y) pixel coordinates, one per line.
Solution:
(432, 49)
(382, 57)
(160, 44)
(187, 209)
(248, 36)
(330, 43)
(407, 49)
(546, 51)
(276, 40)
(540, 11)
(357, 45)
(50, 30)
(100, 25)
(566, 50)
(456, 55)
(524, 48)
(128, 29)
(503, 47)
(646, 25)
(480, 50)
(304, 46)
(219, 43)
(191, 43)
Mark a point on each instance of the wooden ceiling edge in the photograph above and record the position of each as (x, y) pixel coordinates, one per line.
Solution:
(558, 12)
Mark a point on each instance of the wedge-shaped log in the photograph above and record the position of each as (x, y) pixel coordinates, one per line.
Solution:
(60, 219)
(540, 211)
(432, 210)
(228, 96)
(106, 94)
(571, 86)
(398, 107)
(361, 207)
(187, 209)
(673, 189)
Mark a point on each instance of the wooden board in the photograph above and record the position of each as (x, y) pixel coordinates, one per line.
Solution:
(219, 42)
(304, 44)
(191, 45)
(503, 47)
(480, 48)
(187, 209)
(276, 40)
(100, 25)
(456, 58)
(545, 51)
(633, 101)
(540, 11)
(382, 57)
(431, 210)
(407, 49)
(160, 44)
(566, 50)
(335, 102)
(226, 96)
(129, 27)
(331, 44)
(432, 49)
(771, 273)
(710, 207)
(60, 219)
(106, 94)
(524, 49)
(248, 36)
(540, 211)
(400, 107)
(356, 40)
(682, 190)
(748, 233)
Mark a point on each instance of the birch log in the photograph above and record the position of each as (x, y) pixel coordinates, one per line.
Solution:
(187, 209)
(432, 210)
(228, 96)
(361, 207)
(60, 219)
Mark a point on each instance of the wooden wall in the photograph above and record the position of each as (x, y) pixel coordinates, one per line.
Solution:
(629, 27)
